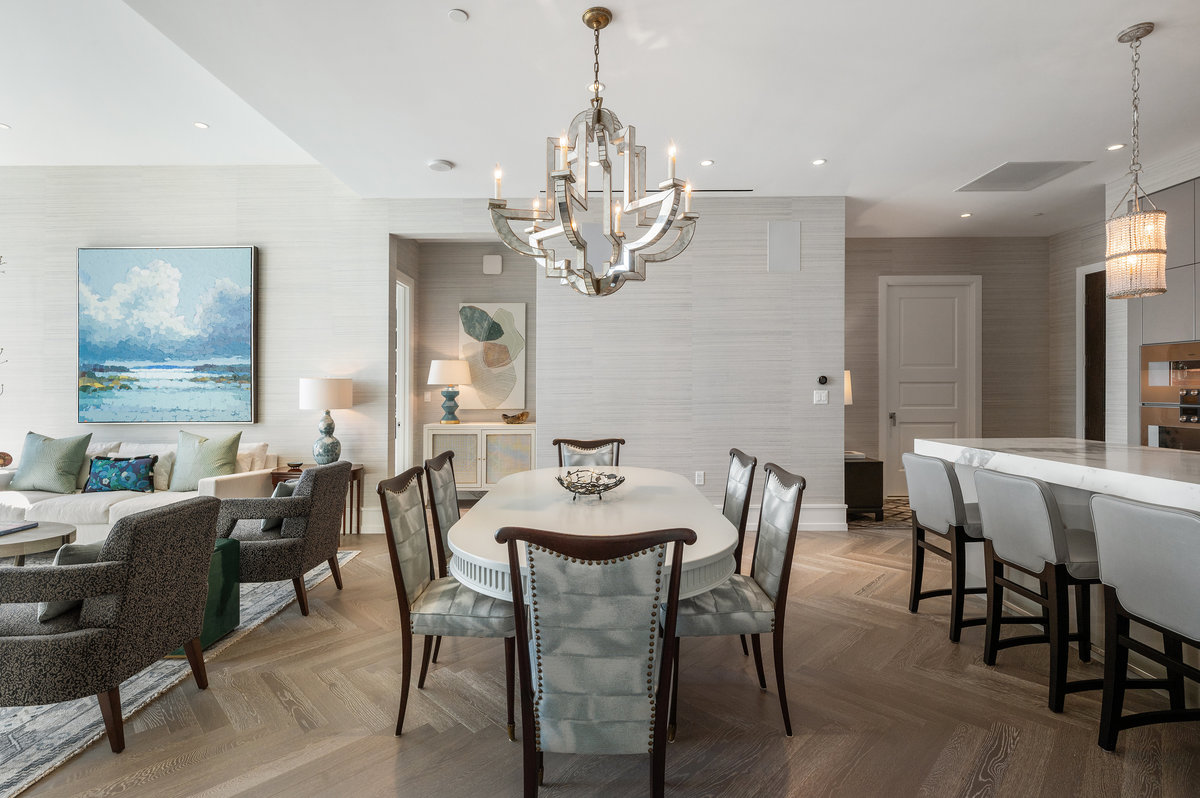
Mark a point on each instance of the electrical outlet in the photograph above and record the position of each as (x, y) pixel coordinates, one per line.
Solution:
(820, 397)
(699, 477)
(429, 396)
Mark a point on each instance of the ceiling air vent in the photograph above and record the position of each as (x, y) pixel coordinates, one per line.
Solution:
(1022, 175)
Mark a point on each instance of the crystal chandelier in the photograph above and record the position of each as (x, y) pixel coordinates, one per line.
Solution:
(1136, 256)
(655, 229)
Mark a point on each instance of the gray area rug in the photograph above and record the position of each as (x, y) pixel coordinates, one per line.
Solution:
(35, 740)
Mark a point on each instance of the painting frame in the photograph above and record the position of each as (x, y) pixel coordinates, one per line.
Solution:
(200, 355)
(488, 334)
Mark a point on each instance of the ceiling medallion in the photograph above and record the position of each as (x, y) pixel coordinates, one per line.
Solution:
(655, 230)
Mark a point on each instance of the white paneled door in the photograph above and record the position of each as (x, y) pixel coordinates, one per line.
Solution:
(930, 341)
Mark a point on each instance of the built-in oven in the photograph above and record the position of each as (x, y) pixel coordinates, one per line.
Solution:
(1171, 395)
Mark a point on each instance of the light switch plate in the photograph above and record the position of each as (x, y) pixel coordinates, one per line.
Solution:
(428, 396)
(492, 264)
(699, 477)
(820, 397)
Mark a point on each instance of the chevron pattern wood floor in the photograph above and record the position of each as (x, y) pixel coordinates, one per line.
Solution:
(883, 705)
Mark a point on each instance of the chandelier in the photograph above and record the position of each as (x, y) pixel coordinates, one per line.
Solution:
(635, 229)
(1136, 256)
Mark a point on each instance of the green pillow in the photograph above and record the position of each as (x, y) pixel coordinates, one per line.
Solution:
(50, 464)
(197, 457)
(70, 554)
(282, 491)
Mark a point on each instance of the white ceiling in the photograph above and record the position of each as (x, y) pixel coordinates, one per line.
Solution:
(908, 101)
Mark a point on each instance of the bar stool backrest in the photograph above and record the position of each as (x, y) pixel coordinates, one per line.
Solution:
(1020, 516)
(1150, 555)
(933, 492)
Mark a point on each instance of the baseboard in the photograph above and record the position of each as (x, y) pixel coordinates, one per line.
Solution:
(813, 517)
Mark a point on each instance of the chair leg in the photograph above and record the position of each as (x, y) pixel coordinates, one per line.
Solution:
(918, 567)
(406, 642)
(301, 594)
(437, 647)
(426, 645)
(995, 608)
(783, 702)
(510, 656)
(1173, 648)
(1116, 665)
(958, 581)
(1060, 627)
(658, 768)
(745, 650)
(756, 646)
(1083, 620)
(337, 571)
(674, 697)
(195, 657)
(532, 770)
(110, 708)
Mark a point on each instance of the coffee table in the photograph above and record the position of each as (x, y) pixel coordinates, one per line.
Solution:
(46, 536)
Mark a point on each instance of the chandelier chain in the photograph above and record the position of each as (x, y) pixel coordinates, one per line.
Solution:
(596, 69)
(1135, 165)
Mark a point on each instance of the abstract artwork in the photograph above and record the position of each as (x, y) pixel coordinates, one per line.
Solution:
(491, 338)
(166, 335)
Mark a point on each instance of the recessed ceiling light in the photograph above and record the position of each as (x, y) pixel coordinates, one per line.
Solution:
(707, 162)
(965, 215)
(201, 125)
(458, 15)
(441, 165)
(4, 126)
(819, 162)
(1112, 147)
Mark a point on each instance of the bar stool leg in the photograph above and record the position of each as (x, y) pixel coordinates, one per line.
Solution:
(918, 566)
(1116, 665)
(1173, 648)
(1060, 627)
(1083, 620)
(995, 606)
(958, 571)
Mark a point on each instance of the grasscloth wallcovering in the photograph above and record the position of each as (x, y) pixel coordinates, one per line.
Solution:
(711, 351)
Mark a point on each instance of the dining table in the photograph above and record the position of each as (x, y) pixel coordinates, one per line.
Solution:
(647, 499)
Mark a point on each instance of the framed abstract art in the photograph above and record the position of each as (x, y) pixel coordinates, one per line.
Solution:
(491, 338)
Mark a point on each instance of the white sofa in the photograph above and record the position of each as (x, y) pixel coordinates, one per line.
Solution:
(93, 514)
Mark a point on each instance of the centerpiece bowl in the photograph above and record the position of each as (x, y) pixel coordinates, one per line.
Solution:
(588, 482)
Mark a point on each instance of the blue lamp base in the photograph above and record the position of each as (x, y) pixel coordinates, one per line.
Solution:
(327, 448)
(450, 406)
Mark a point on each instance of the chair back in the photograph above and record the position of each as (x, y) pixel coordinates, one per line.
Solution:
(1150, 555)
(1020, 517)
(738, 486)
(600, 452)
(934, 495)
(403, 501)
(443, 500)
(326, 485)
(775, 542)
(591, 606)
(168, 550)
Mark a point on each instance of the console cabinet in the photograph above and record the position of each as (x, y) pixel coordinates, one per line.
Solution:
(484, 452)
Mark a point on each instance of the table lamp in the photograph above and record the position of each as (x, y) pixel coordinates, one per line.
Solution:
(449, 373)
(847, 388)
(326, 393)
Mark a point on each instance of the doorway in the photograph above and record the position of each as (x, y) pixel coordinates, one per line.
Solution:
(930, 365)
(403, 450)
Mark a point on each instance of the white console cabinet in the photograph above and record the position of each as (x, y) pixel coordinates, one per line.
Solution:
(484, 452)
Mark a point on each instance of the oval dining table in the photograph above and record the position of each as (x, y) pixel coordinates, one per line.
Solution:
(648, 499)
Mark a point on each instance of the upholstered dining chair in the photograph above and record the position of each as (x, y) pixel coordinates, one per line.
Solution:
(429, 605)
(1150, 579)
(739, 483)
(753, 603)
(443, 505)
(600, 452)
(594, 672)
(141, 599)
(308, 536)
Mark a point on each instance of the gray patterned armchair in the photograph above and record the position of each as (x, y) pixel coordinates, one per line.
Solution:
(143, 598)
(312, 518)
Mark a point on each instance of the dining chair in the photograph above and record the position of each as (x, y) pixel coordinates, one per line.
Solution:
(1149, 579)
(443, 500)
(739, 483)
(1024, 531)
(600, 452)
(431, 606)
(589, 647)
(935, 499)
(756, 603)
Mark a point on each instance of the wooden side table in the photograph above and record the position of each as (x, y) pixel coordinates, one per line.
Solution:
(355, 496)
(864, 486)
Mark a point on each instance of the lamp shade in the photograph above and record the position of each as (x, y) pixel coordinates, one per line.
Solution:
(326, 393)
(449, 372)
(847, 388)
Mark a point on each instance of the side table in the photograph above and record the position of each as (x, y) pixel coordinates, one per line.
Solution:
(46, 536)
(864, 486)
(355, 497)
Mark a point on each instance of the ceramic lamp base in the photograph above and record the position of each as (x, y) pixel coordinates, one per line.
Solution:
(327, 449)
(449, 406)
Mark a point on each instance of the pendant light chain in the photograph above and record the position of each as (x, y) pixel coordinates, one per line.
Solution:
(1135, 166)
(596, 70)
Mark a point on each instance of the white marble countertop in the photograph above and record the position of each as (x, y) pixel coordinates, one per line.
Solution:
(1161, 476)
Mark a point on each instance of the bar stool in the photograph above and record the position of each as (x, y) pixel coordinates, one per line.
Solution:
(1023, 530)
(1149, 556)
(935, 499)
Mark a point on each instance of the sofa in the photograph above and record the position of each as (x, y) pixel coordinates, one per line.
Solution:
(93, 514)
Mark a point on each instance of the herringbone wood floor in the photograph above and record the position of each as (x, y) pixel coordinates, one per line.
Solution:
(882, 704)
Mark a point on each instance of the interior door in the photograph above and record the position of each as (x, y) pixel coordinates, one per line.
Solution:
(929, 350)
(404, 444)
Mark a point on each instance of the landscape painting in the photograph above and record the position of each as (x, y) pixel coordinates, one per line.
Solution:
(166, 335)
(491, 338)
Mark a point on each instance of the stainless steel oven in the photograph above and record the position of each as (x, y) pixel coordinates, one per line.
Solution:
(1171, 395)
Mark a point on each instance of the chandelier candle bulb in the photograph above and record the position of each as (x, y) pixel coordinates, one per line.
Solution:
(497, 174)
(616, 219)
(562, 151)
(687, 198)
(671, 161)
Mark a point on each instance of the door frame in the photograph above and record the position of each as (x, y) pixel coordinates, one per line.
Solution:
(1081, 349)
(404, 359)
(974, 402)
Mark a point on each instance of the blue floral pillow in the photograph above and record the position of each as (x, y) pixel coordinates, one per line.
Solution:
(121, 473)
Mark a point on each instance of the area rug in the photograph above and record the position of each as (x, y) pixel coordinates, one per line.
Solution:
(35, 740)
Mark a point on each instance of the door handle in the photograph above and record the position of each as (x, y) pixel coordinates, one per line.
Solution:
(892, 418)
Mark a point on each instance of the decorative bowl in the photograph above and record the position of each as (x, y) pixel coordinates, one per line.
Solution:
(586, 482)
(295, 466)
(5, 459)
(516, 418)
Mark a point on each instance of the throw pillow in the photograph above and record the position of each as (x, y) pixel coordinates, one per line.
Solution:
(197, 458)
(122, 473)
(257, 459)
(166, 460)
(70, 554)
(282, 491)
(50, 464)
